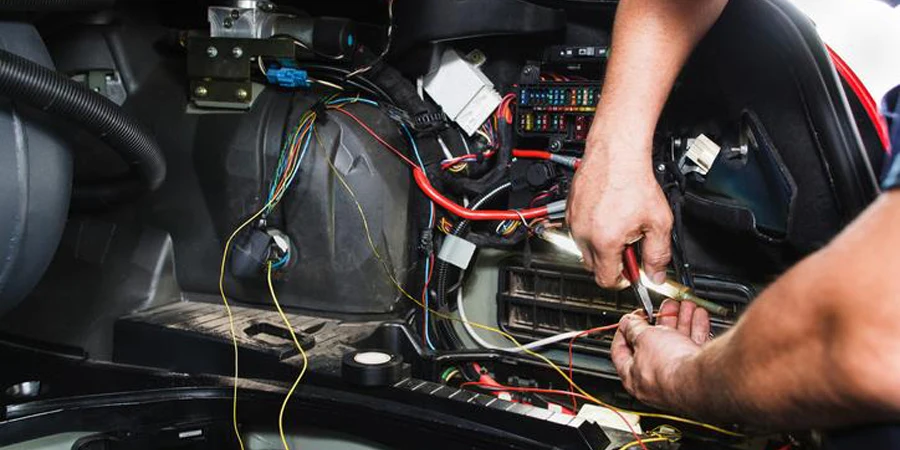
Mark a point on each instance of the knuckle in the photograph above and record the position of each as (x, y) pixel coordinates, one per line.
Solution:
(658, 258)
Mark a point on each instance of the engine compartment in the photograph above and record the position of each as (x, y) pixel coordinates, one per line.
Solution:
(333, 157)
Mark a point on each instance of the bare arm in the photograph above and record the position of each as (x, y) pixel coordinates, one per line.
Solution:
(820, 347)
(615, 198)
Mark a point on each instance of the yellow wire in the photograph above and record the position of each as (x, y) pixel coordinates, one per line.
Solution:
(290, 328)
(645, 441)
(273, 201)
(509, 337)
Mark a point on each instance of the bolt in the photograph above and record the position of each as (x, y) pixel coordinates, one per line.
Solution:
(228, 22)
(212, 52)
(242, 94)
(555, 145)
(529, 70)
(235, 14)
(661, 168)
(201, 91)
(237, 52)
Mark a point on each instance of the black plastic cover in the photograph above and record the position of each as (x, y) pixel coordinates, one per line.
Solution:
(424, 21)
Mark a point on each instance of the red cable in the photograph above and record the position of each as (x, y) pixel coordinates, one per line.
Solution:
(435, 196)
(468, 214)
(377, 137)
(531, 154)
(864, 96)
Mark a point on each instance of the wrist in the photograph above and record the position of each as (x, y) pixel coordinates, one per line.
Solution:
(622, 146)
(684, 384)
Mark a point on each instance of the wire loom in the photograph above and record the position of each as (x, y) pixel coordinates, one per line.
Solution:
(286, 172)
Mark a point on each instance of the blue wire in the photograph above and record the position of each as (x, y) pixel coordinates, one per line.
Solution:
(352, 100)
(431, 218)
(299, 160)
(284, 260)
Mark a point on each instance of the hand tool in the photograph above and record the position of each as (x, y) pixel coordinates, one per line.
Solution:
(632, 273)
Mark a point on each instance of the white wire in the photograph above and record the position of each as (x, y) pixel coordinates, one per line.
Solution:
(465, 141)
(480, 341)
(387, 46)
(460, 304)
(326, 83)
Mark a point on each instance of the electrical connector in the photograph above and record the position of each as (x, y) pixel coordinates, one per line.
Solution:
(288, 77)
(463, 91)
(702, 152)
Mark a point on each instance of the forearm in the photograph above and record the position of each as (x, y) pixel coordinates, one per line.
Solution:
(652, 39)
(819, 347)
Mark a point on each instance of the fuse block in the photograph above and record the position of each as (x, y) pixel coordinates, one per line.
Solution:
(557, 109)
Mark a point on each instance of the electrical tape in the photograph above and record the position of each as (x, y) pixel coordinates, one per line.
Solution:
(372, 368)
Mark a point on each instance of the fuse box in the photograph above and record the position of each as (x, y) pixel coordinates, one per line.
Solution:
(560, 110)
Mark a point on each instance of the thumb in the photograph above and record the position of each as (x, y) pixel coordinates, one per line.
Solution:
(632, 327)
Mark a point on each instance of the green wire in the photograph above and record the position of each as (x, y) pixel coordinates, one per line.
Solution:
(447, 373)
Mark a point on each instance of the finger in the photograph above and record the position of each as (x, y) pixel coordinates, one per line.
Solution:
(668, 313)
(686, 317)
(622, 357)
(656, 248)
(632, 327)
(587, 256)
(700, 326)
(608, 261)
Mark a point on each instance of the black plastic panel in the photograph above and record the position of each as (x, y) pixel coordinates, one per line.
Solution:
(541, 300)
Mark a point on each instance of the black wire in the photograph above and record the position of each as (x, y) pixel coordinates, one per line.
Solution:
(360, 79)
(447, 334)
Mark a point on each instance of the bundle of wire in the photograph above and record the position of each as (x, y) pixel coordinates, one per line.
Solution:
(296, 147)
(488, 131)
(290, 159)
(418, 172)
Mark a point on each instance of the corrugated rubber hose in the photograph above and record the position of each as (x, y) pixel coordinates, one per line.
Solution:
(26, 82)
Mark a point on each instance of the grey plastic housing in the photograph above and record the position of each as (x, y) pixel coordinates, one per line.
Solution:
(35, 180)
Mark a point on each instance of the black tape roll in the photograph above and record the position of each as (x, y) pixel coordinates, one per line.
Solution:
(372, 368)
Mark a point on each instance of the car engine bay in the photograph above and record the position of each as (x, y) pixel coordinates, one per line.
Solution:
(394, 176)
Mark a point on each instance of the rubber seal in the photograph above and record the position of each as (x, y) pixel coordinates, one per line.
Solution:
(372, 368)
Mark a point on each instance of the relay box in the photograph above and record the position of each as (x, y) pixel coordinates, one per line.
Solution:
(559, 110)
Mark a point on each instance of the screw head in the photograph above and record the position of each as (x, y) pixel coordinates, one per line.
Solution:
(201, 91)
(235, 14)
(212, 52)
(237, 52)
(661, 168)
(242, 94)
(555, 145)
(228, 22)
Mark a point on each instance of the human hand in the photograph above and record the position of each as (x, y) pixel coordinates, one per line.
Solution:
(648, 358)
(614, 201)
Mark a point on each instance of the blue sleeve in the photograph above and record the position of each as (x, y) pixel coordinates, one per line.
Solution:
(891, 110)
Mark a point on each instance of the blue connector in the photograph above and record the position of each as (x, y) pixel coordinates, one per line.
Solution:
(288, 77)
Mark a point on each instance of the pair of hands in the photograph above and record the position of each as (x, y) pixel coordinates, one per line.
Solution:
(614, 201)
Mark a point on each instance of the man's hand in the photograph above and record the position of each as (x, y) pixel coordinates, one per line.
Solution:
(649, 357)
(614, 201)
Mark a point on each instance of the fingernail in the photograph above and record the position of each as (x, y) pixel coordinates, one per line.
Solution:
(659, 277)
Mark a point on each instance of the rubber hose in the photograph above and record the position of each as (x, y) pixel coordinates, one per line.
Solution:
(54, 5)
(26, 82)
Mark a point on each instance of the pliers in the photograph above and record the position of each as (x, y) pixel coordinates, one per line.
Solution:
(632, 273)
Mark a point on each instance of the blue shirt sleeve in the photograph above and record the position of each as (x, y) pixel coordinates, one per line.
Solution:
(891, 109)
